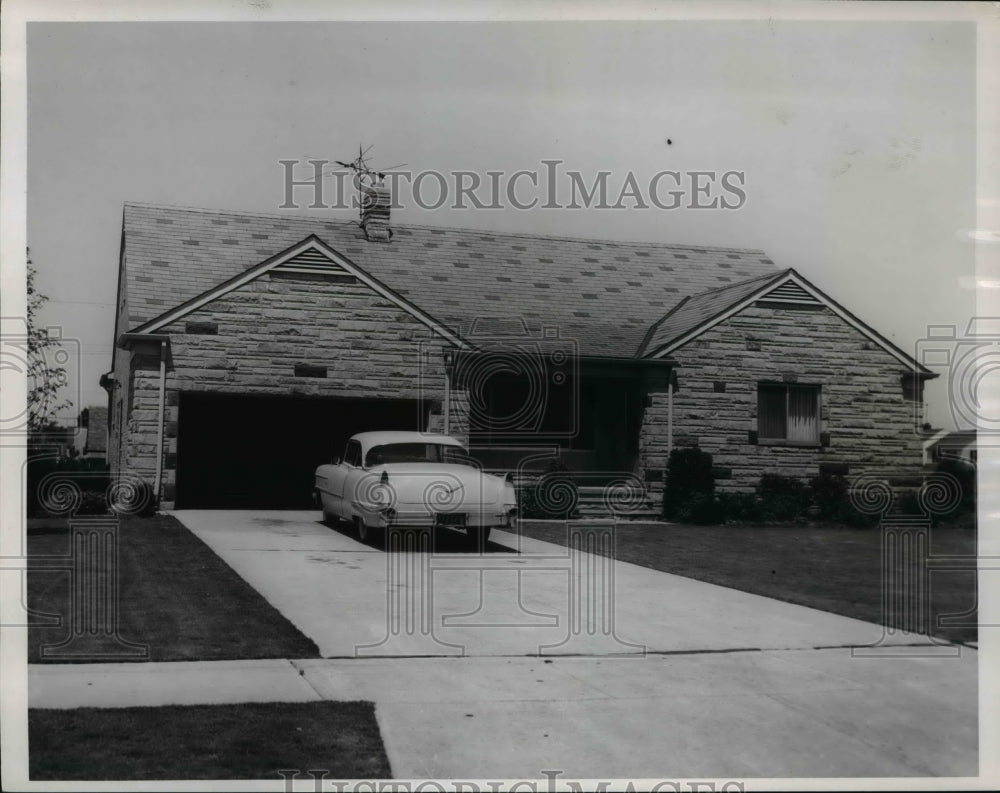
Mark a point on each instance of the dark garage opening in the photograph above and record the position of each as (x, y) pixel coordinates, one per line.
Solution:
(241, 452)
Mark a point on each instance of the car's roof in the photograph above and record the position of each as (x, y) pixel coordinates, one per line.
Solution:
(369, 440)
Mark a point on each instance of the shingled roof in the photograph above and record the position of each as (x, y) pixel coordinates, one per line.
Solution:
(694, 310)
(606, 295)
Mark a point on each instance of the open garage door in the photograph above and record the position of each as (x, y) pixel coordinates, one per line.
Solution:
(240, 452)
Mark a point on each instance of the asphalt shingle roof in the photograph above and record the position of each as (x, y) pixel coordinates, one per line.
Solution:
(699, 308)
(605, 295)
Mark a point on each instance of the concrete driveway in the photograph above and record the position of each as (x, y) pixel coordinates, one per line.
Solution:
(523, 597)
(641, 674)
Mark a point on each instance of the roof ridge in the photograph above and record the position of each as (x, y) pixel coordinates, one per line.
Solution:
(652, 328)
(455, 229)
(765, 279)
(744, 282)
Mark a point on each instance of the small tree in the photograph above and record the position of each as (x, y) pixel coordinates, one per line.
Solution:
(689, 494)
(45, 379)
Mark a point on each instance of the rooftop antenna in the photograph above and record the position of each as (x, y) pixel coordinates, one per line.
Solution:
(373, 197)
(365, 174)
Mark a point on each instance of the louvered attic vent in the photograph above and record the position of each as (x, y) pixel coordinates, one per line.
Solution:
(313, 263)
(790, 293)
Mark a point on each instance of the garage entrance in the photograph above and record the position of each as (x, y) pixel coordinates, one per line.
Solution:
(242, 452)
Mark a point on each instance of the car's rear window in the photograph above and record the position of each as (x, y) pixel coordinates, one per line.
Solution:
(417, 453)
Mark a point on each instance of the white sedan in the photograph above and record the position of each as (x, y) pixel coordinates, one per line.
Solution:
(413, 479)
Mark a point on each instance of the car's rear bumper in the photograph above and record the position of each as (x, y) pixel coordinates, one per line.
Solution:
(466, 520)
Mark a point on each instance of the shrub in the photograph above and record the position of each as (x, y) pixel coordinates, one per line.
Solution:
(782, 497)
(93, 503)
(64, 486)
(907, 502)
(831, 497)
(134, 498)
(965, 473)
(689, 493)
(832, 500)
(701, 509)
(738, 506)
(553, 496)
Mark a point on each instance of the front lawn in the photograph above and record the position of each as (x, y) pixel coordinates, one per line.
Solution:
(176, 597)
(830, 568)
(251, 741)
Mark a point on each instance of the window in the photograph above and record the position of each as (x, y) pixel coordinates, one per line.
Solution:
(417, 453)
(788, 413)
(352, 454)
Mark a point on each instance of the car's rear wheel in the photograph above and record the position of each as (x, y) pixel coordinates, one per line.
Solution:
(369, 535)
(476, 537)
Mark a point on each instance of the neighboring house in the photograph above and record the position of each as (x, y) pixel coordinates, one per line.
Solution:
(94, 429)
(52, 441)
(954, 444)
(249, 347)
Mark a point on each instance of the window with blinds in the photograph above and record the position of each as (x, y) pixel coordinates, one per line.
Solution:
(788, 413)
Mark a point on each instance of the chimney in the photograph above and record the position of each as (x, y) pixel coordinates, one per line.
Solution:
(375, 212)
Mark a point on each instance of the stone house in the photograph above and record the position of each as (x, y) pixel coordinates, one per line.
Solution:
(249, 347)
(951, 444)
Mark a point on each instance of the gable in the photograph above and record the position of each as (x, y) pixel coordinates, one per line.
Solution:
(311, 261)
(311, 257)
(788, 290)
(790, 293)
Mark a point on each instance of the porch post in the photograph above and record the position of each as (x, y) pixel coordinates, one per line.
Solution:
(670, 415)
(447, 392)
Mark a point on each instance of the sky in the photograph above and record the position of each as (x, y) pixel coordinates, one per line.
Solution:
(857, 141)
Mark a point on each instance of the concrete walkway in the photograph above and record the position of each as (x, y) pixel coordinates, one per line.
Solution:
(796, 713)
(665, 687)
(354, 600)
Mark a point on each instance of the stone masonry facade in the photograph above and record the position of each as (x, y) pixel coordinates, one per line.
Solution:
(251, 340)
(866, 421)
(258, 339)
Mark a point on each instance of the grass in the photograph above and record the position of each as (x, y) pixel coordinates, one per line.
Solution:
(251, 741)
(176, 597)
(835, 569)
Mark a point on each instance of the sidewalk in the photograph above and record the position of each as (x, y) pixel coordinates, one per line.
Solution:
(768, 713)
(733, 685)
(177, 683)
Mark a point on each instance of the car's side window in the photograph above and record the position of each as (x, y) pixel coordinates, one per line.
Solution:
(352, 455)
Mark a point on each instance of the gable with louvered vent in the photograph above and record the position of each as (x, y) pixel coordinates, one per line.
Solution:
(311, 261)
(789, 293)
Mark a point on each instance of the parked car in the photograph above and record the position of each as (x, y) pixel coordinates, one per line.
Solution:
(413, 479)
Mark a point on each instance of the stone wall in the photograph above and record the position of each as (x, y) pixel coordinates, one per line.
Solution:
(121, 368)
(265, 336)
(142, 424)
(870, 425)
